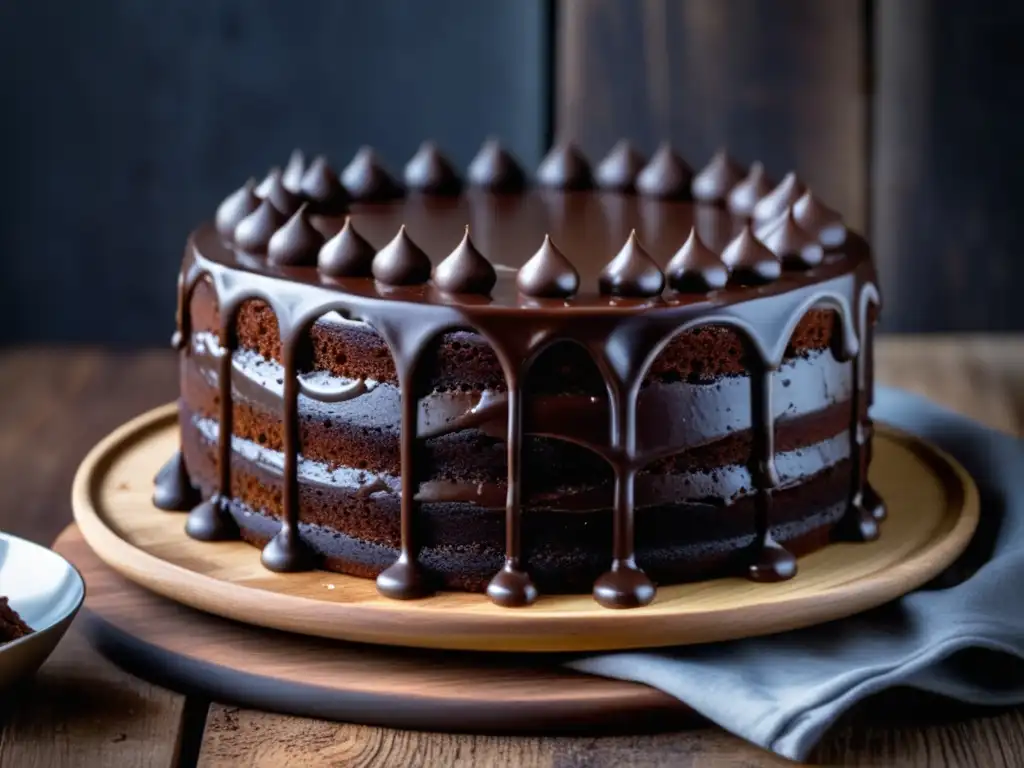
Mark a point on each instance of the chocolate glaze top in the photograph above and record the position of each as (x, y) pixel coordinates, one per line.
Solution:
(588, 227)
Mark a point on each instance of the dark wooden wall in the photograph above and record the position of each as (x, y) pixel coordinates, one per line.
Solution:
(125, 122)
(904, 114)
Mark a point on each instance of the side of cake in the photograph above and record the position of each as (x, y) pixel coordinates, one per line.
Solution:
(613, 376)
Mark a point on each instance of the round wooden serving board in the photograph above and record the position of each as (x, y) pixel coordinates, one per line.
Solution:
(933, 511)
(223, 660)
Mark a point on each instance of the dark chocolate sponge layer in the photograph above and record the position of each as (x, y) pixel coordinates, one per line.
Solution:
(462, 545)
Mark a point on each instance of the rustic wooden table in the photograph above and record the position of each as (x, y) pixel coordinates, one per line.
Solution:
(81, 710)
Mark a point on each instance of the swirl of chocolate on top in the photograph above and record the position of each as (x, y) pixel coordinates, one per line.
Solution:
(718, 177)
(401, 262)
(632, 273)
(744, 196)
(666, 175)
(465, 270)
(619, 169)
(695, 268)
(548, 274)
(367, 180)
(236, 207)
(253, 233)
(276, 192)
(429, 171)
(297, 243)
(785, 238)
(775, 203)
(293, 172)
(821, 221)
(347, 254)
(322, 188)
(494, 169)
(565, 168)
(749, 261)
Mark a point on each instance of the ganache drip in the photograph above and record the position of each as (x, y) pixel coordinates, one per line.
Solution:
(612, 340)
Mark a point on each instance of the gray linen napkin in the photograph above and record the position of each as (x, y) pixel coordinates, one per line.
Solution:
(784, 691)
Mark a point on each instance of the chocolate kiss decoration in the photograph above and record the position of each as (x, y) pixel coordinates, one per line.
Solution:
(744, 196)
(236, 207)
(297, 243)
(465, 270)
(347, 254)
(294, 171)
(749, 261)
(366, 179)
(666, 175)
(696, 268)
(286, 202)
(548, 274)
(401, 262)
(821, 221)
(495, 169)
(775, 203)
(264, 186)
(253, 233)
(429, 171)
(565, 167)
(618, 171)
(322, 188)
(795, 247)
(720, 175)
(632, 272)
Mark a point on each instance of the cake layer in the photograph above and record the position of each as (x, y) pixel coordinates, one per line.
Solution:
(464, 447)
(463, 360)
(358, 527)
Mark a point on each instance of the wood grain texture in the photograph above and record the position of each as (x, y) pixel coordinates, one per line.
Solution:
(55, 405)
(945, 166)
(65, 400)
(781, 83)
(81, 710)
(932, 504)
(164, 641)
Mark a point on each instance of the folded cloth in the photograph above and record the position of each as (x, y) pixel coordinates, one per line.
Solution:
(784, 691)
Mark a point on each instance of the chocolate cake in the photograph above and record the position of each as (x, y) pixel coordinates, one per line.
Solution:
(11, 625)
(602, 379)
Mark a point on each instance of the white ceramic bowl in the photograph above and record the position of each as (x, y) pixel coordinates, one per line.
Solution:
(46, 591)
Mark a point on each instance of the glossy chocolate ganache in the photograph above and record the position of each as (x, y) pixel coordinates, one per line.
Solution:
(599, 379)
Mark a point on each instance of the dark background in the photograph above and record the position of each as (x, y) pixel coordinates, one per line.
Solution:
(126, 121)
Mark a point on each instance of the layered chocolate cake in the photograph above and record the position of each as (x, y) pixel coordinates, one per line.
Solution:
(600, 378)
(11, 625)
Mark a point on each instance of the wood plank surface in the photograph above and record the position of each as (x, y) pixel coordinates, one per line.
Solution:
(82, 711)
(780, 83)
